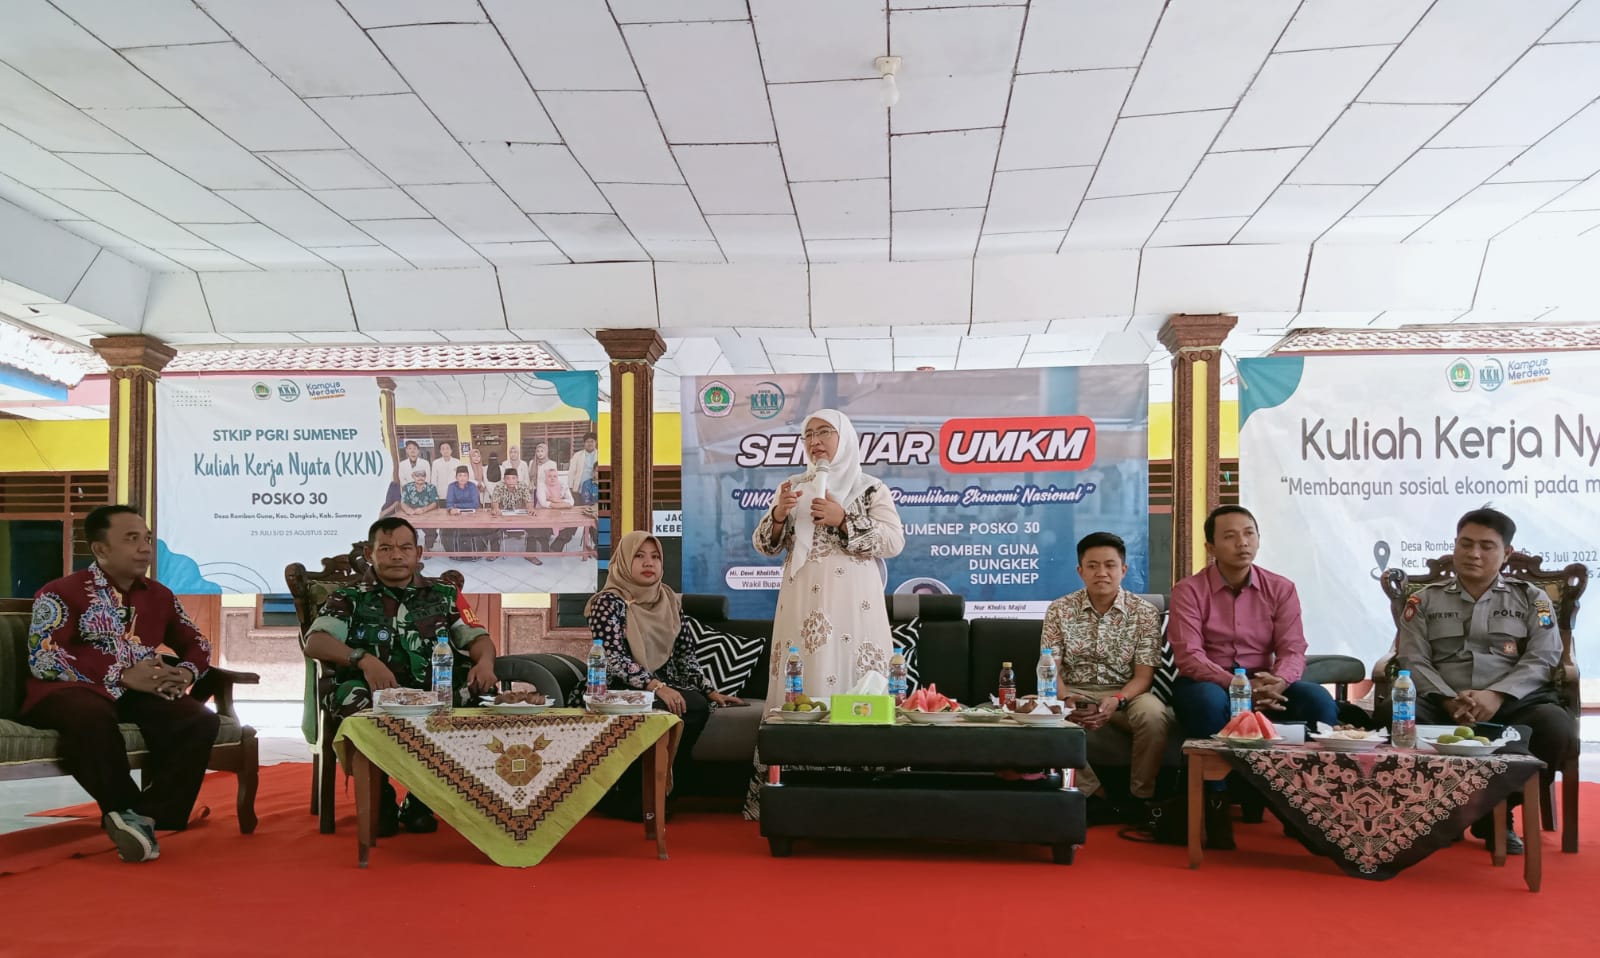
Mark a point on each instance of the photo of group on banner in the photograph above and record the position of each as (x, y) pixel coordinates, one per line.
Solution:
(488, 502)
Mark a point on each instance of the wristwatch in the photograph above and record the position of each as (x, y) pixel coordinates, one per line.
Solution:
(356, 655)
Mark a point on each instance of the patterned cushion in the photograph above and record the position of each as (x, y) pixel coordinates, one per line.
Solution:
(24, 743)
(1167, 675)
(727, 659)
(905, 635)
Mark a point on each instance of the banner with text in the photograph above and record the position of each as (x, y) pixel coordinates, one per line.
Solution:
(1354, 464)
(256, 472)
(996, 475)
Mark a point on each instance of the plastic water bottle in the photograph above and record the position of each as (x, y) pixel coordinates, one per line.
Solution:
(596, 683)
(1403, 724)
(1008, 685)
(1238, 694)
(443, 664)
(897, 678)
(794, 684)
(1046, 673)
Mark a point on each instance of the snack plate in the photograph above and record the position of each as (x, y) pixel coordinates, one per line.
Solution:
(1339, 743)
(930, 718)
(1475, 750)
(1248, 742)
(814, 715)
(406, 711)
(982, 716)
(1038, 718)
(515, 708)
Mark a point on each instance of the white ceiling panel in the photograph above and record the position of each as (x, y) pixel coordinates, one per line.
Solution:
(848, 250)
(103, 237)
(831, 131)
(1204, 54)
(1581, 25)
(1369, 229)
(656, 212)
(1026, 201)
(589, 237)
(1221, 279)
(942, 170)
(117, 212)
(745, 238)
(704, 80)
(1551, 226)
(111, 292)
(40, 169)
(393, 13)
(145, 24)
(860, 294)
(390, 300)
(379, 204)
(1431, 180)
(1584, 196)
(176, 304)
(614, 135)
(1329, 24)
(477, 212)
(1207, 232)
(1525, 275)
(1569, 152)
(861, 355)
(1297, 95)
(521, 254)
(361, 257)
(1299, 214)
(966, 57)
(1012, 244)
(844, 209)
(226, 85)
(33, 201)
(1062, 119)
(666, 11)
(1459, 48)
(193, 147)
(933, 234)
(1487, 210)
(287, 302)
(1154, 154)
(767, 295)
(540, 177)
(311, 45)
(1087, 34)
(409, 336)
(156, 185)
(328, 169)
(423, 242)
(816, 40)
(1070, 286)
(1407, 276)
(1233, 184)
(210, 260)
(1369, 141)
(1535, 96)
(257, 245)
(991, 352)
(467, 78)
(1118, 222)
(596, 296)
(683, 251)
(48, 46)
(297, 217)
(41, 116)
(565, 46)
(400, 136)
(739, 178)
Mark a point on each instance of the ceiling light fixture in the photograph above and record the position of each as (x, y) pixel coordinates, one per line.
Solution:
(888, 91)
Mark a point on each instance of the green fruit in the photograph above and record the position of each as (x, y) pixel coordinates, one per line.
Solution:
(1448, 739)
(1463, 732)
(790, 707)
(1481, 740)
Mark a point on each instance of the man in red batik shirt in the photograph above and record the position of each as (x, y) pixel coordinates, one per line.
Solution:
(92, 651)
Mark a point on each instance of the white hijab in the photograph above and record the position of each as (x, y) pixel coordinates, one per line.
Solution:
(846, 481)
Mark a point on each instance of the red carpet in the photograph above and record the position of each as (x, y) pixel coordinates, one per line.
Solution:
(287, 890)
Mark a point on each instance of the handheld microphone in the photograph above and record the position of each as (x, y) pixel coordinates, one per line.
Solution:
(823, 468)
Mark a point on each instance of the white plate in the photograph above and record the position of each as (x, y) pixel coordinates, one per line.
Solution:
(1248, 742)
(779, 715)
(1475, 750)
(931, 718)
(406, 711)
(982, 716)
(619, 708)
(515, 708)
(1336, 743)
(1038, 718)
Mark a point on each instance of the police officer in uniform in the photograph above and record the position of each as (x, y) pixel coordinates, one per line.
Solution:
(1484, 649)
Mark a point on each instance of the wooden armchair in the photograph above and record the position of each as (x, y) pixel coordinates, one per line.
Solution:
(1564, 587)
(310, 590)
(28, 752)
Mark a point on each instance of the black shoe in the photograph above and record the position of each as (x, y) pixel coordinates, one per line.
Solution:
(1219, 822)
(1102, 811)
(1484, 828)
(417, 818)
(388, 813)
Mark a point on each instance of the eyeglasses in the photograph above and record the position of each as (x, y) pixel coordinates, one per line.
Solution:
(820, 433)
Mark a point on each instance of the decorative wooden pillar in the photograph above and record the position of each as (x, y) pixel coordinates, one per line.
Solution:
(633, 355)
(391, 437)
(135, 363)
(1196, 346)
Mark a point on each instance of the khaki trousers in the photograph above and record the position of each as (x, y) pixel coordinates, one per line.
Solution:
(1148, 720)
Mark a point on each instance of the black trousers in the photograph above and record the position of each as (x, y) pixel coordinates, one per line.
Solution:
(1552, 727)
(626, 798)
(179, 735)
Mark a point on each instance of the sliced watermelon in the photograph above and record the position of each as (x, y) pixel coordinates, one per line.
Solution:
(1248, 727)
(1232, 726)
(1267, 729)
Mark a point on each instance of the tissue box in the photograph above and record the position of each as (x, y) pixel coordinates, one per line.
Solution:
(861, 710)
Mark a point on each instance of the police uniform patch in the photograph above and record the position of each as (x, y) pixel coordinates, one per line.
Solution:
(1412, 605)
(1542, 606)
(1509, 647)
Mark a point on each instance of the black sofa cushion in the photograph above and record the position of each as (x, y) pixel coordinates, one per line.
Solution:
(727, 658)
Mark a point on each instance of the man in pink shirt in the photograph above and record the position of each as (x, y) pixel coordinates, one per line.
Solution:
(1235, 614)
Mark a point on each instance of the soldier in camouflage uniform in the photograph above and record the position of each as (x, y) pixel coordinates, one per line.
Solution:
(1484, 649)
(380, 634)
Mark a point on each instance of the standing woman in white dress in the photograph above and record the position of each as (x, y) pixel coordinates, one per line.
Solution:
(830, 605)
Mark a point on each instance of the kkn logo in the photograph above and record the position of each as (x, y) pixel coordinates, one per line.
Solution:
(1023, 444)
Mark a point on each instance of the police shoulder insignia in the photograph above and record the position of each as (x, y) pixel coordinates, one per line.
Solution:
(1412, 605)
